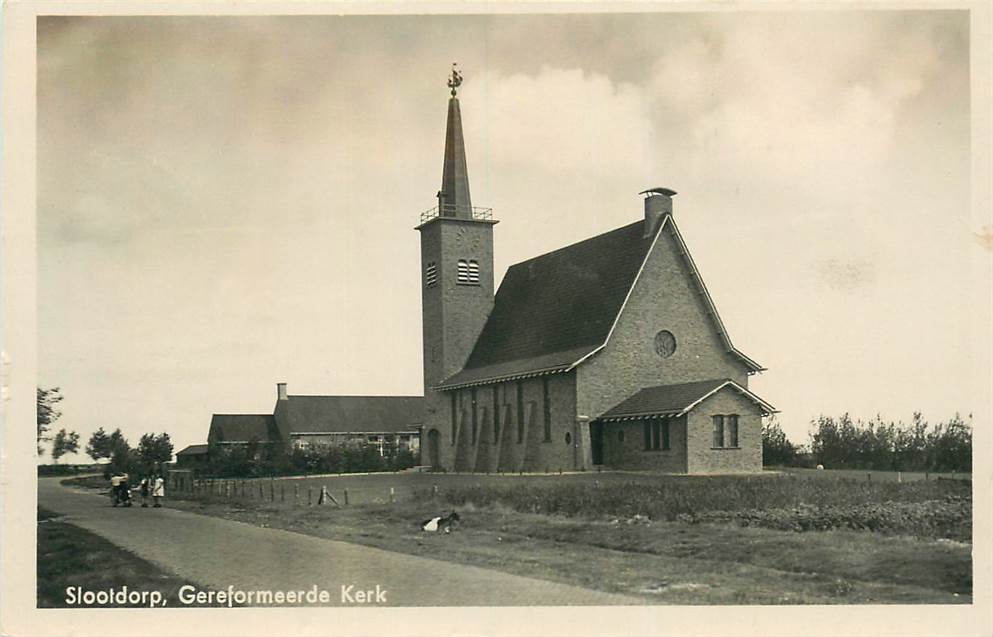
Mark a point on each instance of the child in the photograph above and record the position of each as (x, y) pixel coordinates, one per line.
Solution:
(145, 490)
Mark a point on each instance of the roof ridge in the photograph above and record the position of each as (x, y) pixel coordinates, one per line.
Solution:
(266, 415)
(577, 243)
(353, 396)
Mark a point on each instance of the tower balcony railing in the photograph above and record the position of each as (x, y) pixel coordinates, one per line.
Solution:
(451, 210)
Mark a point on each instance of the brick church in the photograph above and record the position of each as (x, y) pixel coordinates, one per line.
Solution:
(608, 352)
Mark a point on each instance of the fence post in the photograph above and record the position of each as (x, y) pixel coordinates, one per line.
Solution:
(434, 491)
(296, 494)
(393, 497)
(272, 489)
(261, 492)
(899, 476)
(868, 477)
(346, 497)
(925, 476)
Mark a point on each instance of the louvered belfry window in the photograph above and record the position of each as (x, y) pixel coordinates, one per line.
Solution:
(431, 274)
(468, 272)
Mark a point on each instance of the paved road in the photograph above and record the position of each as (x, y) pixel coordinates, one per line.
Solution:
(219, 553)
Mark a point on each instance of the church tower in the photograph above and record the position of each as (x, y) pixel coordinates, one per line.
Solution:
(456, 277)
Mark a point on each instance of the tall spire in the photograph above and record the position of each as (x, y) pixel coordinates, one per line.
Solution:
(453, 198)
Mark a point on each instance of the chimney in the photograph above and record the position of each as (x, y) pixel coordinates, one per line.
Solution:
(281, 391)
(658, 204)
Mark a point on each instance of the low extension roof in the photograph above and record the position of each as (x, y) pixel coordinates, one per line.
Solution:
(242, 428)
(193, 450)
(329, 414)
(554, 311)
(676, 400)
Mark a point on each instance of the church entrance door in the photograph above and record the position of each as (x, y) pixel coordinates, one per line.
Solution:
(434, 444)
(596, 442)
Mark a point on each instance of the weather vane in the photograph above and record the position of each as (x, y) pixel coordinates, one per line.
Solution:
(455, 81)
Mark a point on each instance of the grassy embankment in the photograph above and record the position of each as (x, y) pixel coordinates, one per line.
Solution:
(69, 556)
(676, 540)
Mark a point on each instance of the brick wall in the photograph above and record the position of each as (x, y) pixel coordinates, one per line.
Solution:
(452, 315)
(630, 453)
(702, 457)
(663, 298)
(497, 448)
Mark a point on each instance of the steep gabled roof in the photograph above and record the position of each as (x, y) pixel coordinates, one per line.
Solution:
(554, 311)
(328, 414)
(242, 428)
(676, 400)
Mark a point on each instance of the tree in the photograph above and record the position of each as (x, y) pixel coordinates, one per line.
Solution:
(99, 445)
(777, 450)
(63, 443)
(117, 440)
(47, 412)
(154, 449)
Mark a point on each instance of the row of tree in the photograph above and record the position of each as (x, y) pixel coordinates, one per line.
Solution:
(152, 451)
(845, 443)
(255, 459)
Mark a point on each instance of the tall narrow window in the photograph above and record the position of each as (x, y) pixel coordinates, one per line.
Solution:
(496, 413)
(547, 409)
(474, 417)
(656, 434)
(454, 421)
(718, 432)
(732, 426)
(520, 412)
(431, 274)
(508, 422)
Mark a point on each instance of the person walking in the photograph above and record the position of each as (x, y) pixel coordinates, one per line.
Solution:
(158, 490)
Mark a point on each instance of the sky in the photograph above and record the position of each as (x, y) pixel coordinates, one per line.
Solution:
(225, 203)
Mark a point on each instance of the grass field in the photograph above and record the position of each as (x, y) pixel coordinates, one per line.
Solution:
(590, 530)
(69, 556)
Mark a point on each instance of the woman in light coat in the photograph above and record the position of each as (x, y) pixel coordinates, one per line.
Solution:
(158, 490)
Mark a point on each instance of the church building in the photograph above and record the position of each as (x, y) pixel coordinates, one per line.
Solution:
(608, 352)
(605, 353)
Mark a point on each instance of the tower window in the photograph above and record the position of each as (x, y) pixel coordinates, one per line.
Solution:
(431, 274)
(467, 272)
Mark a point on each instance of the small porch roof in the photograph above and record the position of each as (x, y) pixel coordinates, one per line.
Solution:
(671, 401)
